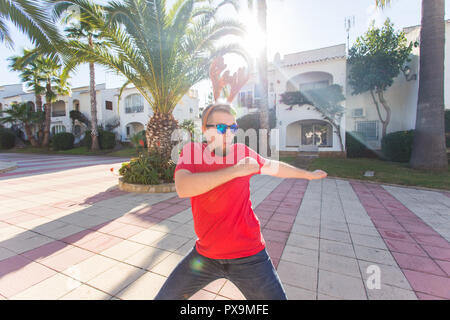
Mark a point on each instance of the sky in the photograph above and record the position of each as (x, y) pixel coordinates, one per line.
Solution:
(292, 26)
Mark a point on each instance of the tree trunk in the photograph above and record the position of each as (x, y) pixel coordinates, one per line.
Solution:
(263, 76)
(159, 134)
(39, 126)
(94, 132)
(30, 136)
(48, 115)
(429, 140)
(388, 112)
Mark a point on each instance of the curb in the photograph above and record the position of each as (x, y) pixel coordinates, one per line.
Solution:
(143, 188)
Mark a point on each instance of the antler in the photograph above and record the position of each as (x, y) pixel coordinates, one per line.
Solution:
(236, 81)
(218, 82)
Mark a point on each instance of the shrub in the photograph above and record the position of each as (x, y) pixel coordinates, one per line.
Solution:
(137, 138)
(63, 141)
(447, 140)
(7, 139)
(355, 146)
(148, 169)
(397, 146)
(106, 139)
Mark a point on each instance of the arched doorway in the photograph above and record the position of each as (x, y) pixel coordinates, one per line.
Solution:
(132, 128)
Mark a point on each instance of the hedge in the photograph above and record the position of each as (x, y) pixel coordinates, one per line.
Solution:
(7, 139)
(63, 141)
(355, 146)
(107, 140)
(397, 146)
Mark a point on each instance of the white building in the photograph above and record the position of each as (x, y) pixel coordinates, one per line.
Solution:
(128, 116)
(302, 128)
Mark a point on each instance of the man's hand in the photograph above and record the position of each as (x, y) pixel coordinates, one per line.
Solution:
(317, 174)
(246, 167)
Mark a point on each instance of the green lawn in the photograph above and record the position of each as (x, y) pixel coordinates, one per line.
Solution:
(387, 172)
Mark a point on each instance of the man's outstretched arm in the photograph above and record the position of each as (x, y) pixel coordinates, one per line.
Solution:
(281, 169)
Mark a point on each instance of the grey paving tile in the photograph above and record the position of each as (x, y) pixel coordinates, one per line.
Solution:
(335, 235)
(387, 292)
(301, 255)
(295, 293)
(338, 248)
(374, 255)
(299, 240)
(369, 241)
(339, 264)
(341, 286)
(297, 275)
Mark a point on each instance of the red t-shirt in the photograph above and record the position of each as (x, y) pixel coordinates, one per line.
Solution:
(224, 221)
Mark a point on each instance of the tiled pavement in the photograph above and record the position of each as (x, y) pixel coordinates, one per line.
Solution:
(66, 232)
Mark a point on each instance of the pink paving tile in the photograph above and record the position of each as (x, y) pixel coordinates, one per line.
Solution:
(277, 236)
(289, 211)
(10, 215)
(416, 263)
(107, 226)
(43, 210)
(13, 263)
(428, 239)
(405, 247)
(45, 250)
(81, 237)
(419, 227)
(100, 243)
(428, 283)
(274, 203)
(283, 217)
(274, 249)
(126, 231)
(263, 213)
(173, 200)
(278, 225)
(395, 235)
(445, 265)
(437, 252)
(161, 205)
(67, 258)
(423, 296)
(19, 279)
(388, 225)
(22, 218)
(275, 263)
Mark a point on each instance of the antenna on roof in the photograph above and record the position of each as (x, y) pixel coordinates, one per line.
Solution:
(349, 23)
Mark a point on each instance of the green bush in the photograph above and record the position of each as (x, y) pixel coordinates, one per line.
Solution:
(7, 139)
(107, 140)
(447, 140)
(63, 141)
(397, 146)
(355, 146)
(148, 169)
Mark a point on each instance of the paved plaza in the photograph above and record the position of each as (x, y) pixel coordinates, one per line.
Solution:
(67, 232)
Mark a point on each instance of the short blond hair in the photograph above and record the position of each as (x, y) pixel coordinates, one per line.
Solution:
(222, 107)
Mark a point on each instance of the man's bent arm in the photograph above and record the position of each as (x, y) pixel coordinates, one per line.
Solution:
(190, 184)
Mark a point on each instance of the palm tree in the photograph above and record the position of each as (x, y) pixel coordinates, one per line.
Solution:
(429, 150)
(31, 75)
(84, 32)
(162, 52)
(22, 114)
(30, 18)
(55, 84)
(262, 65)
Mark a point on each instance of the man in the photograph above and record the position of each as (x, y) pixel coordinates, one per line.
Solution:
(216, 176)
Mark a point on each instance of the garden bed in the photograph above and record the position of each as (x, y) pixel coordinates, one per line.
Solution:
(143, 188)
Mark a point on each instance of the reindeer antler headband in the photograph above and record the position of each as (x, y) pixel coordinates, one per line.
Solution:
(236, 81)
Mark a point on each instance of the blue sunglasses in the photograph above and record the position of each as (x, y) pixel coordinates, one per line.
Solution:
(222, 128)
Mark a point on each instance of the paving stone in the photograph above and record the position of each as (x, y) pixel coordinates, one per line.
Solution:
(295, 293)
(145, 287)
(51, 288)
(342, 286)
(339, 264)
(374, 255)
(301, 255)
(369, 241)
(85, 292)
(297, 275)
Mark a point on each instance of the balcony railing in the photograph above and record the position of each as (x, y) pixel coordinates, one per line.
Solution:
(134, 109)
(58, 113)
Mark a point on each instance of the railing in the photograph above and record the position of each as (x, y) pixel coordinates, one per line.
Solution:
(134, 109)
(58, 113)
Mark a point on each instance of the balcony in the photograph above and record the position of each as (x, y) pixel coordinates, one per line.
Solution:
(59, 113)
(134, 109)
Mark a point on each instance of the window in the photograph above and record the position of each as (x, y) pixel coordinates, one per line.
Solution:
(358, 113)
(109, 105)
(249, 100)
(368, 129)
(134, 103)
(59, 109)
(242, 99)
(317, 134)
(58, 129)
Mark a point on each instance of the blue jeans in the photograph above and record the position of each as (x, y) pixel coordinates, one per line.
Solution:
(255, 276)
